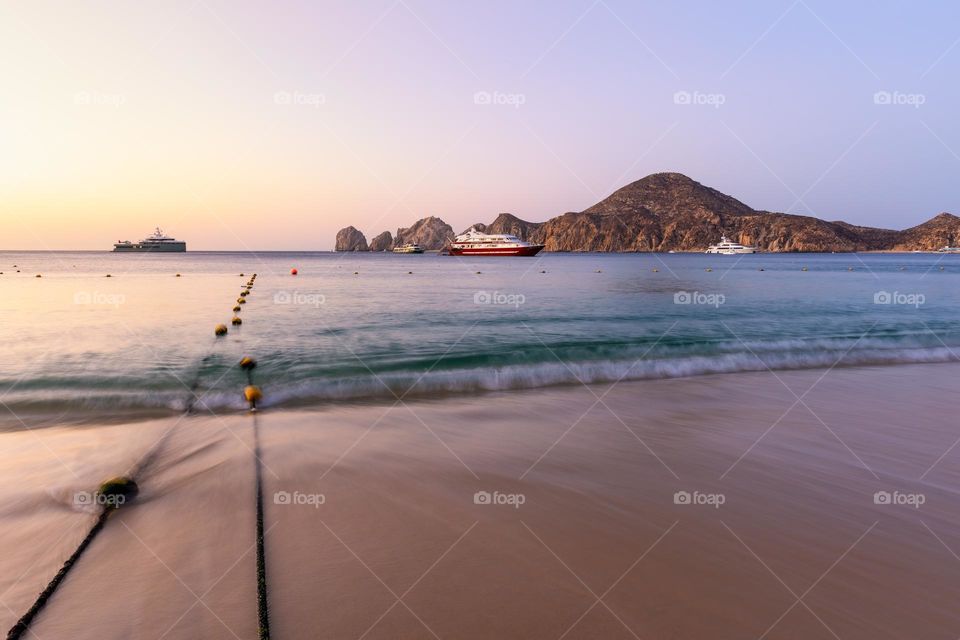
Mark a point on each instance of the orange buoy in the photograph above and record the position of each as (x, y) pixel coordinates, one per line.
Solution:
(220, 330)
(236, 320)
(246, 362)
(236, 309)
(241, 301)
(293, 271)
(252, 394)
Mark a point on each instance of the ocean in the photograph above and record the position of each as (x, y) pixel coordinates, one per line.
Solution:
(358, 327)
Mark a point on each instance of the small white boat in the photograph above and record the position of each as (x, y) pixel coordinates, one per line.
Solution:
(948, 249)
(408, 248)
(727, 247)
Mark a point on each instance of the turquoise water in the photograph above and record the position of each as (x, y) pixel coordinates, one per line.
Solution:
(78, 345)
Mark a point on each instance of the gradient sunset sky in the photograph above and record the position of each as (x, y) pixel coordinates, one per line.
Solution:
(240, 125)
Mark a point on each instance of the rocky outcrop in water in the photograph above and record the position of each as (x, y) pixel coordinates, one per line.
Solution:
(430, 233)
(383, 242)
(350, 239)
(671, 212)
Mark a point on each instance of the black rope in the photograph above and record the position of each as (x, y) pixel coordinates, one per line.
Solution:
(263, 613)
(23, 623)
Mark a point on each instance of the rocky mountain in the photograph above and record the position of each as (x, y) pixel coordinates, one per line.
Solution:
(671, 212)
(431, 233)
(940, 231)
(383, 242)
(350, 239)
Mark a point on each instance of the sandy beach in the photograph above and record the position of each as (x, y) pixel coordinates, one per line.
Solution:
(374, 529)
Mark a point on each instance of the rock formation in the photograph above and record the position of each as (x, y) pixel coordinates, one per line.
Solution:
(431, 233)
(383, 242)
(350, 239)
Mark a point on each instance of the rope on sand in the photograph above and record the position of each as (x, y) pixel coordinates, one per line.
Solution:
(252, 394)
(263, 613)
(23, 623)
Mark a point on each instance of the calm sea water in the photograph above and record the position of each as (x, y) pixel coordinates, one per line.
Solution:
(356, 327)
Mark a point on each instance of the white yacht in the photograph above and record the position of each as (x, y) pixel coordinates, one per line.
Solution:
(157, 242)
(727, 247)
(411, 247)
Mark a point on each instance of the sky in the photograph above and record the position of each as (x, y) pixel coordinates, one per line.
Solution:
(271, 125)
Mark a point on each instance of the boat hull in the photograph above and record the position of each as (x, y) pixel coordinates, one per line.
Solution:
(527, 251)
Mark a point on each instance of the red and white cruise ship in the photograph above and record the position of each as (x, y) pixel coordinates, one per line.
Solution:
(475, 243)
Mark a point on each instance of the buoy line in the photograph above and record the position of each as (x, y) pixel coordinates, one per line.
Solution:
(252, 394)
(113, 494)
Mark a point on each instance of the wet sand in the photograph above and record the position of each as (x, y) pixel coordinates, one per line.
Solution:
(597, 549)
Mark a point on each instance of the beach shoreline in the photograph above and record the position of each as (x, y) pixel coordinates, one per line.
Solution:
(366, 504)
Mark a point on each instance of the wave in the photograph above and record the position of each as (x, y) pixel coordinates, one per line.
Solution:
(421, 382)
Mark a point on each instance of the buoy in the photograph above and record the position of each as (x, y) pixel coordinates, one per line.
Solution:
(478, 272)
(241, 301)
(543, 271)
(293, 272)
(108, 276)
(708, 269)
(220, 330)
(760, 269)
(655, 270)
(356, 273)
(246, 362)
(116, 492)
(236, 320)
(243, 294)
(236, 309)
(241, 275)
(39, 276)
(252, 394)
(598, 271)
(409, 273)
(178, 275)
